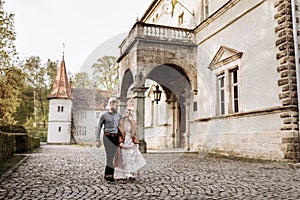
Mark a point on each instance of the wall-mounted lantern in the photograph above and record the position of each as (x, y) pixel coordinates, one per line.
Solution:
(157, 94)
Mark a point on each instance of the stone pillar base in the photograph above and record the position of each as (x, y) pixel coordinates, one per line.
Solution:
(143, 146)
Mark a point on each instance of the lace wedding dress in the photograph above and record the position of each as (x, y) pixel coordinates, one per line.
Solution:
(131, 160)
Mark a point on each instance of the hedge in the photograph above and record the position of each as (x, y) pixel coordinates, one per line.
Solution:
(13, 129)
(25, 142)
(11, 143)
(7, 146)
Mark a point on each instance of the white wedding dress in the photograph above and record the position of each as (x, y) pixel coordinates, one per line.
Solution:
(132, 159)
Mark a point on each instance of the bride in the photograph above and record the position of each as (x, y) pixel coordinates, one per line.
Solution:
(128, 159)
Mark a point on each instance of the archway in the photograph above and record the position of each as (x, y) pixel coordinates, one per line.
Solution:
(176, 86)
(126, 82)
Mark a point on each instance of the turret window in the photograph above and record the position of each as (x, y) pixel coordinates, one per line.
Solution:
(60, 109)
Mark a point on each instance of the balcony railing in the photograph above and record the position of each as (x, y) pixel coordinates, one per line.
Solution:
(157, 33)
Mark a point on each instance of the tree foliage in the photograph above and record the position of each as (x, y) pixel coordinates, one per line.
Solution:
(8, 51)
(11, 77)
(11, 82)
(39, 79)
(105, 73)
(51, 71)
(82, 80)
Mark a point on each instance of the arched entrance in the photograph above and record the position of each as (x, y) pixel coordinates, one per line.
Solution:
(165, 123)
(169, 59)
(175, 85)
(126, 82)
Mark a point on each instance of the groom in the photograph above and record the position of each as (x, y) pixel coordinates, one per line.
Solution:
(110, 120)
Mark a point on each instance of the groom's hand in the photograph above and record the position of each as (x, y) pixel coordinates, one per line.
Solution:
(98, 144)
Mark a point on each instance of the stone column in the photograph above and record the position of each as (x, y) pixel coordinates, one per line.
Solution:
(122, 104)
(187, 134)
(139, 97)
(173, 105)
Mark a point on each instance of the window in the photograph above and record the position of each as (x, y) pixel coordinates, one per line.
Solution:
(59, 129)
(234, 90)
(226, 66)
(228, 79)
(205, 9)
(180, 19)
(81, 130)
(84, 130)
(60, 109)
(83, 115)
(195, 106)
(221, 93)
(78, 130)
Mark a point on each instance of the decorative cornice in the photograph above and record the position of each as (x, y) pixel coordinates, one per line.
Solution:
(216, 15)
(217, 61)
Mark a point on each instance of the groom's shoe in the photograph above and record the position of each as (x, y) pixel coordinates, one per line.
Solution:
(109, 179)
(130, 178)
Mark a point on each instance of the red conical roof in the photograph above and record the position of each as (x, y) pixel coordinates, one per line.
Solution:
(61, 88)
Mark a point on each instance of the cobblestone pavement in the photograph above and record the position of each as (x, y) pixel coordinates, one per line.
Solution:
(73, 172)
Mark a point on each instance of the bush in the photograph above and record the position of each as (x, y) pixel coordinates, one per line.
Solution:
(35, 142)
(39, 132)
(23, 142)
(13, 129)
(7, 146)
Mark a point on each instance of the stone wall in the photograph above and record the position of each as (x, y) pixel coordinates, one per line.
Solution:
(288, 80)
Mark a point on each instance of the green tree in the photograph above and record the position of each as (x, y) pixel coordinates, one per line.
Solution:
(11, 82)
(105, 73)
(8, 53)
(11, 77)
(26, 109)
(51, 71)
(37, 78)
(82, 80)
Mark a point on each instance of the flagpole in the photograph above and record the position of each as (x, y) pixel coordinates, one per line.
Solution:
(185, 8)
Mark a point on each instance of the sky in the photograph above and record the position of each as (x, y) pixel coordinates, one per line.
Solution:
(47, 28)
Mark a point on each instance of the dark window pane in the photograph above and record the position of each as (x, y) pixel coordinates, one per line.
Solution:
(235, 95)
(236, 106)
(234, 74)
(195, 106)
(222, 108)
(222, 96)
(221, 82)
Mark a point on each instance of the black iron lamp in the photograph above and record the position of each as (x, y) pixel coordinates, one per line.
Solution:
(157, 94)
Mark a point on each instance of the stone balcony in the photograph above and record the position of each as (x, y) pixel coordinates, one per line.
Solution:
(157, 33)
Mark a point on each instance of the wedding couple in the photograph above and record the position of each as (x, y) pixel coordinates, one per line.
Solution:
(123, 158)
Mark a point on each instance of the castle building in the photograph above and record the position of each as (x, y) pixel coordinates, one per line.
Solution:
(229, 75)
(60, 109)
(74, 112)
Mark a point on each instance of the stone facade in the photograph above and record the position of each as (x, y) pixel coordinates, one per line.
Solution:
(252, 115)
(288, 79)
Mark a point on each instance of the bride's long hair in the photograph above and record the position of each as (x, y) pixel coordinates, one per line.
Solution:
(131, 116)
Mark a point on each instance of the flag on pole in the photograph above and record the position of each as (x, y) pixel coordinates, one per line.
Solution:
(174, 2)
